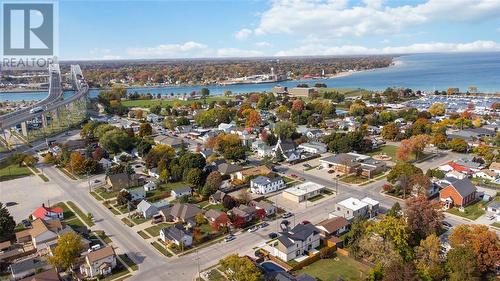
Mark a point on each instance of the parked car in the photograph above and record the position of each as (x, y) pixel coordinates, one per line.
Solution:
(264, 224)
(272, 235)
(253, 229)
(306, 222)
(10, 204)
(287, 215)
(26, 223)
(294, 176)
(230, 238)
(306, 165)
(491, 217)
(447, 225)
(331, 171)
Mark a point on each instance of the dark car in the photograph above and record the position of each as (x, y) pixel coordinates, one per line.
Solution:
(306, 222)
(10, 204)
(287, 215)
(272, 235)
(264, 224)
(26, 223)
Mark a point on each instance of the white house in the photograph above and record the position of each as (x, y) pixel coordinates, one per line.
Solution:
(99, 262)
(455, 174)
(181, 191)
(105, 163)
(296, 243)
(315, 134)
(313, 147)
(226, 127)
(264, 185)
(150, 186)
(153, 118)
(153, 172)
(486, 174)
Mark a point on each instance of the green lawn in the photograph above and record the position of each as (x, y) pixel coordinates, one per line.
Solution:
(43, 177)
(339, 267)
(219, 207)
(206, 228)
(348, 92)
(163, 103)
(118, 271)
(103, 236)
(105, 194)
(472, 212)
(127, 222)
(139, 220)
(79, 212)
(13, 171)
(161, 249)
(316, 198)
(496, 224)
(389, 150)
(143, 234)
(155, 229)
(215, 275)
(76, 222)
(354, 179)
(163, 190)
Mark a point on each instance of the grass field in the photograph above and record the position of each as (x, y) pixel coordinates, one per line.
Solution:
(13, 171)
(79, 212)
(389, 150)
(348, 92)
(163, 103)
(154, 231)
(472, 212)
(161, 249)
(143, 234)
(129, 262)
(335, 268)
(353, 179)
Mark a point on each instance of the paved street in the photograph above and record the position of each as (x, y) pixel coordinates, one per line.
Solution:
(154, 266)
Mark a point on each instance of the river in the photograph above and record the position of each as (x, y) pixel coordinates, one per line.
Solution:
(426, 72)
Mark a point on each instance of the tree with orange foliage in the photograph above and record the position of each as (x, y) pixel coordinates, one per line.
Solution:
(404, 150)
(484, 243)
(298, 105)
(252, 118)
(76, 163)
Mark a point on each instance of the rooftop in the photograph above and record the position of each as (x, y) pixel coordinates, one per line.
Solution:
(304, 188)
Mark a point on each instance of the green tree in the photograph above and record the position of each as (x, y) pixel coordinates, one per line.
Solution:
(458, 145)
(390, 131)
(396, 230)
(402, 168)
(437, 109)
(115, 141)
(240, 268)
(461, 262)
(194, 177)
(68, 249)
(7, 224)
(284, 129)
(428, 259)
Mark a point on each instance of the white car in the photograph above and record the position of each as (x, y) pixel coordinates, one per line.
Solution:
(253, 229)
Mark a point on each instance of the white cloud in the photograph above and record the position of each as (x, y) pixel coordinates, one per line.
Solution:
(263, 44)
(437, 47)
(187, 49)
(243, 34)
(234, 52)
(320, 18)
(102, 54)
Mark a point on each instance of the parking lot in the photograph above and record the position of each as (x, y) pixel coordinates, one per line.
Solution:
(314, 168)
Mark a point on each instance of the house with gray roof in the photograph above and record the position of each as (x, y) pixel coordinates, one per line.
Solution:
(27, 267)
(458, 193)
(184, 212)
(264, 185)
(181, 191)
(295, 243)
(176, 234)
(227, 168)
(148, 210)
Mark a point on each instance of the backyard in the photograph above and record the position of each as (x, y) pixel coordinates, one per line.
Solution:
(389, 150)
(149, 103)
(342, 267)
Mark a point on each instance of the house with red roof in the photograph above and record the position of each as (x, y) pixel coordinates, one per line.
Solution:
(48, 213)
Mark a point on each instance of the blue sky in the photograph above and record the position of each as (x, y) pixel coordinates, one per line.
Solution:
(186, 29)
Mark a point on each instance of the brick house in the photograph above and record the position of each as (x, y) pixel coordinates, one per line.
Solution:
(458, 193)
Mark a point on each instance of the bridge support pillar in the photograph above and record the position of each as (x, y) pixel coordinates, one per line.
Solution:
(44, 120)
(24, 129)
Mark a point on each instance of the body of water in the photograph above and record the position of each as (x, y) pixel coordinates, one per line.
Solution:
(426, 72)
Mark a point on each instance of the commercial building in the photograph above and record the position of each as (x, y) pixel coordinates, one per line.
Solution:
(302, 192)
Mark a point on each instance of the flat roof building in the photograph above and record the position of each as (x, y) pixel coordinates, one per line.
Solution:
(302, 192)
